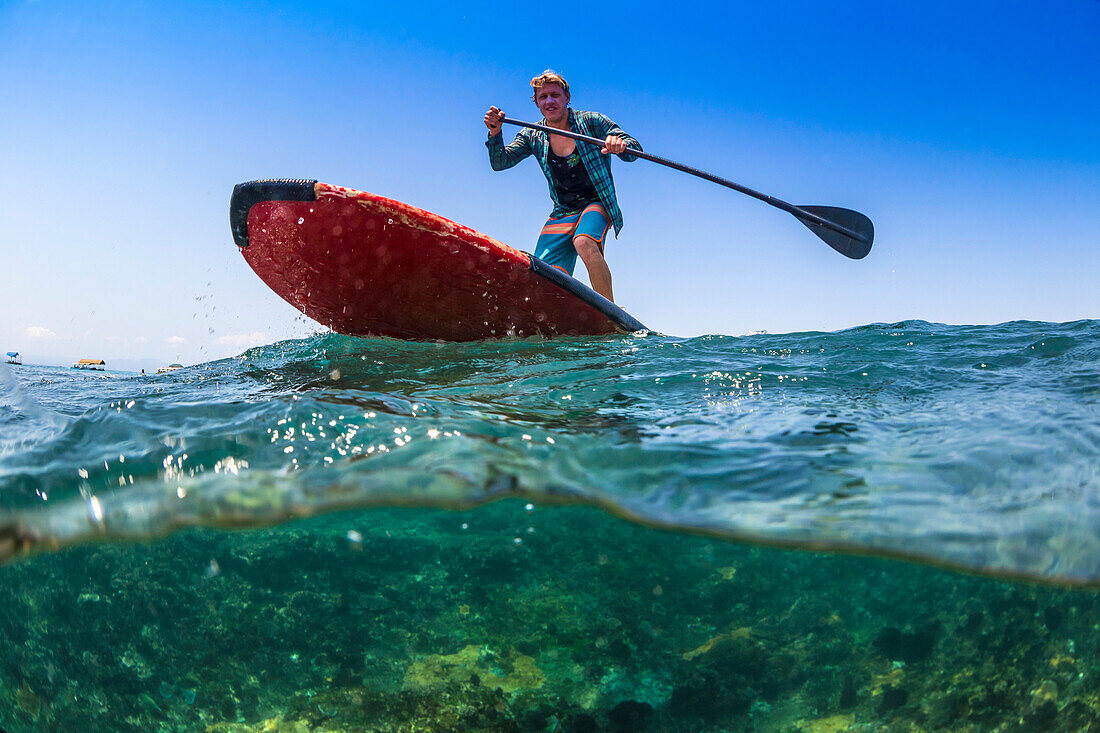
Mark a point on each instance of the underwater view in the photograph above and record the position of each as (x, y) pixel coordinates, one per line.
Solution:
(891, 527)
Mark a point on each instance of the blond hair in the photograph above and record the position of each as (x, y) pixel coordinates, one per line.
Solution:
(548, 77)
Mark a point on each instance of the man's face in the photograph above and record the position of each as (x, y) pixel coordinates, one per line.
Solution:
(553, 102)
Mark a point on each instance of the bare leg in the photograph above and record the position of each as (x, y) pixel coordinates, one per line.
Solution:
(598, 271)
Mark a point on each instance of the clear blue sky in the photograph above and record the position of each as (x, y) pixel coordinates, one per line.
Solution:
(967, 131)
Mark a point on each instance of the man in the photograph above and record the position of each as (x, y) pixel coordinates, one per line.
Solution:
(579, 176)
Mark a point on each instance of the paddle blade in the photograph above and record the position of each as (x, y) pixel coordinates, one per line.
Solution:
(842, 243)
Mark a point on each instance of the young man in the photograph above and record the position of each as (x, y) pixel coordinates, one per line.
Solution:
(579, 176)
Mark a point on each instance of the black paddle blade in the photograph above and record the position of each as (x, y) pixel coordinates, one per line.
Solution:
(852, 220)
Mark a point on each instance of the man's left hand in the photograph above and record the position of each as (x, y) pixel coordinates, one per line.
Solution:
(613, 145)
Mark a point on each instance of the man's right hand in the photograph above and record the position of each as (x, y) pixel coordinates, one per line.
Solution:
(494, 119)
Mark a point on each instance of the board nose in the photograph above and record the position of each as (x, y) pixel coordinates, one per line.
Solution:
(249, 193)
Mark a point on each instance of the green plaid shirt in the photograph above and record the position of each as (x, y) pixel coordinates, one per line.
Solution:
(598, 165)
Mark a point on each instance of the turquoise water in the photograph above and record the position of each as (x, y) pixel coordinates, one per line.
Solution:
(629, 576)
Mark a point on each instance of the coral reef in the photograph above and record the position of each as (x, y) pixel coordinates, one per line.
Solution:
(508, 618)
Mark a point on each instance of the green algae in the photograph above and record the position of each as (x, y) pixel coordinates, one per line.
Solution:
(518, 618)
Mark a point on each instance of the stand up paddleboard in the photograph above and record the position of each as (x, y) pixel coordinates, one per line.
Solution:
(365, 265)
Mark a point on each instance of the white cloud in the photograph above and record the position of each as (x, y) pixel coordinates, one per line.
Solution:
(38, 332)
(175, 340)
(141, 340)
(241, 340)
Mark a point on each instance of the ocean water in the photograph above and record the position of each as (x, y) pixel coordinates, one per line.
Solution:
(892, 527)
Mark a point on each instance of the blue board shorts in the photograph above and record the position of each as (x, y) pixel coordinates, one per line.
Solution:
(555, 245)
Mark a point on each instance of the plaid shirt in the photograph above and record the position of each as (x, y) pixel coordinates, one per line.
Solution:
(598, 165)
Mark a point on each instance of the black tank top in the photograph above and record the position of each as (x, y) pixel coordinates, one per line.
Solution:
(571, 181)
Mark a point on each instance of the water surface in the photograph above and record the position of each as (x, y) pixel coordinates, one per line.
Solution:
(971, 446)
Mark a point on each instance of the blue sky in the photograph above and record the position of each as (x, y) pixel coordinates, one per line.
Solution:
(966, 131)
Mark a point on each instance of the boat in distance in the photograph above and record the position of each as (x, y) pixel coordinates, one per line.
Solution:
(365, 265)
(94, 364)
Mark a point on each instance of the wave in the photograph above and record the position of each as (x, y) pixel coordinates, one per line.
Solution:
(973, 447)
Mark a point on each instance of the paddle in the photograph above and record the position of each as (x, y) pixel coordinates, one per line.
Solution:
(848, 232)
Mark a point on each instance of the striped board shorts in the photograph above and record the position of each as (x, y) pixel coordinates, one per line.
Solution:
(555, 245)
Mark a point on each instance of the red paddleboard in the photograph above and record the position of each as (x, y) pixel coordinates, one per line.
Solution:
(365, 265)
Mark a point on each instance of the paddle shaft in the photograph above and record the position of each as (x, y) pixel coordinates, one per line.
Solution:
(777, 203)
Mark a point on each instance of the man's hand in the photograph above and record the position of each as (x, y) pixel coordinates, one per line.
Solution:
(612, 145)
(494, 120)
